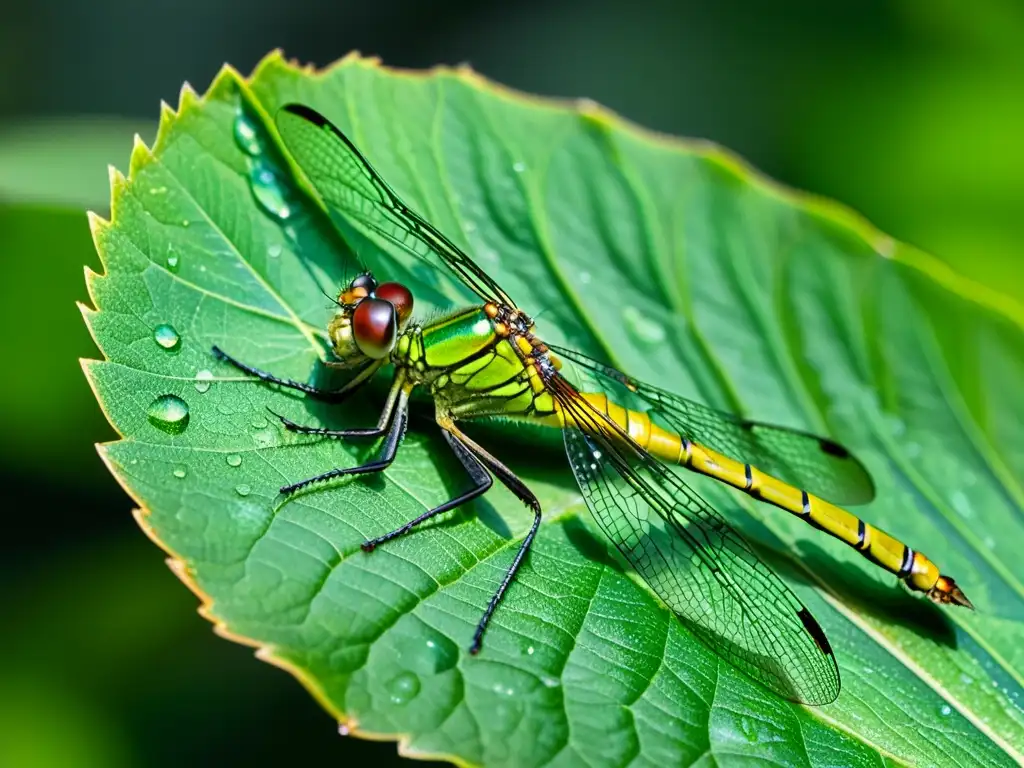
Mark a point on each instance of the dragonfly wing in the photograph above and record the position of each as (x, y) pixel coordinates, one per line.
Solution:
(815, 464)
(350, 187)
(695, 562)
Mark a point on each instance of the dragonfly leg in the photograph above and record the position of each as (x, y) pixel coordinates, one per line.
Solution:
(377, 431)
(518, 487)
(383, 461)
(482, 483)
(333, 396)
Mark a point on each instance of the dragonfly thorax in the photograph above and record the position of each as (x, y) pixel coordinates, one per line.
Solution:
(369, 318)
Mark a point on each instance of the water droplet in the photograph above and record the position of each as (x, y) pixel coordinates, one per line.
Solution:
(245, 136)
(642, 327)
(133, 462)
(868, 671)
(169, 413)
(173, 263)
(263, 438)
(550, 682)
(518, 166)
(180, 472)
(158, 190)
(404, 688)
(234, 460)
(259, 422)
(270, 193)
(167, 337)
(469, 226)
(202, 382)
(442, 652)
(966, 679)
(242, 489)
(530, 651)
(343, 729)
(961, 504)
(946, 709)
(585, 278)
(185, 223)
(274, 251)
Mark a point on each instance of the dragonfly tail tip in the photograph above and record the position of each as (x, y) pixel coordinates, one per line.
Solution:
(946, 591)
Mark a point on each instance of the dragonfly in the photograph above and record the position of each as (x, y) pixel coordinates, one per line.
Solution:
(624, 439)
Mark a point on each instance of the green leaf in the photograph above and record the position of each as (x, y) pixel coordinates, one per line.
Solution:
(671, 259)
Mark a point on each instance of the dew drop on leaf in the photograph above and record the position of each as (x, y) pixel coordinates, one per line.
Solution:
(946, 709)
(403, 688)
(518, 166)
(442, 653)
(180, 472)
(234, 460)
(169, 413)
(242, 489)
(259, 423)
(185, 223)
(263, 438)
(173, 263)
(245, 136)
(167, 337)
(270, 192)
(585, 278)
(203, 379)
(274, 251)
(641, 327)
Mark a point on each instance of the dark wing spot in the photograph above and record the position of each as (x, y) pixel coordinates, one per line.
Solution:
(833, 448)
(814, 628)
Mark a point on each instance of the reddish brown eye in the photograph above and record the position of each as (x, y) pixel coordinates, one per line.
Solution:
(400, 298)
(374, 327)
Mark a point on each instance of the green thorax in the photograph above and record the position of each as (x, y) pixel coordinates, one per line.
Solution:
(470, 369)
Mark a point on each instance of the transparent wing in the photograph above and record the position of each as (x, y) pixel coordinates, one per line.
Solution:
(815, 464)
(695, 562)
(349, 186)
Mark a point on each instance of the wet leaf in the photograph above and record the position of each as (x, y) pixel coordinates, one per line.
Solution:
(674, 261)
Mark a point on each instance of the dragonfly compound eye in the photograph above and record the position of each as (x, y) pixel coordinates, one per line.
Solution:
(375, 327)
(358, 289)
(400, 298)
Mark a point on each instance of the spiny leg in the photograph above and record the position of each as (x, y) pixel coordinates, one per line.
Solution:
(518, 487)
(332, 396)
(481, 484)
(387, 453)
(382, 422)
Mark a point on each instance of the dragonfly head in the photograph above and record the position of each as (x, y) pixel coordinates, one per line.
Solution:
(369, 319)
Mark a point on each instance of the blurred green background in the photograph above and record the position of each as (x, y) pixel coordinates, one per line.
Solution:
(911, 111)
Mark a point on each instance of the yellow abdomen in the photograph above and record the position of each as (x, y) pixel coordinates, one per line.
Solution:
(916, 570)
